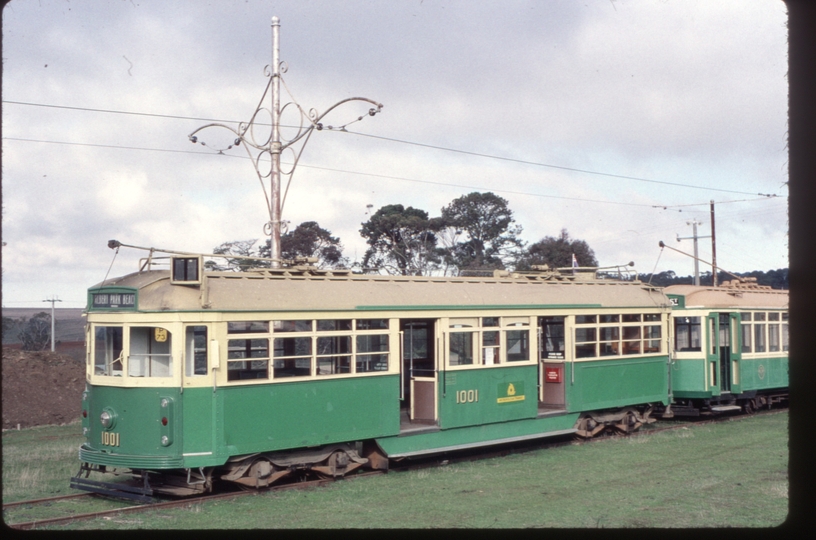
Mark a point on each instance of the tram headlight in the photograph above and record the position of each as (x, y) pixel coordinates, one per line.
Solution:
(107, 418)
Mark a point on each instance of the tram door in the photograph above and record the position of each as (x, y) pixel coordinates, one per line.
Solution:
(551, 366)
(200, 357)
(724, 352)
(419, 369)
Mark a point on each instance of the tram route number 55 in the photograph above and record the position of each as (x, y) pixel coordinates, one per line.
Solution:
(467, 396)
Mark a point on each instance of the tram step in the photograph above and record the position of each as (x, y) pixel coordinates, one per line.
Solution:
(723, 408)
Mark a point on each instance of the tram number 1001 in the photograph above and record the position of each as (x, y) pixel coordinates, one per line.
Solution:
(110, 439)
(467, 396)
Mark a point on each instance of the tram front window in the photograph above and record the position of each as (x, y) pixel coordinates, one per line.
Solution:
(108, 351)
(150, 353)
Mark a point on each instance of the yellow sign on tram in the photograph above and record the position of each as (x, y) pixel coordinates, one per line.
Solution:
(510, 392)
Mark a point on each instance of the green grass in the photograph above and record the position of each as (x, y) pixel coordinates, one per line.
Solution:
(38, 461)
(732, 474)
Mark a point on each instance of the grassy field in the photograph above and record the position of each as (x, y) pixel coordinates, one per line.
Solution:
(731, 474)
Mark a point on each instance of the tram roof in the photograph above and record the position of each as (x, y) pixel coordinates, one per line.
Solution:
(276, 291)
(731, 296)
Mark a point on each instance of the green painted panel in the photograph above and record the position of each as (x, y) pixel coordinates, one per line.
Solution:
(617, 383)
(688, 378)
(137, 428)
(480, 396)
(763, 374)
(476, 435)
(197, 424)
(308, 413)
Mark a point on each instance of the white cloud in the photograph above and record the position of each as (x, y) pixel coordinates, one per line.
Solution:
(690, 92)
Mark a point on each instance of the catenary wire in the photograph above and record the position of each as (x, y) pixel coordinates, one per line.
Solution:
(413, 143)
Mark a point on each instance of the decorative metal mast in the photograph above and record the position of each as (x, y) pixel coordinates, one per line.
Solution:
(271, 146)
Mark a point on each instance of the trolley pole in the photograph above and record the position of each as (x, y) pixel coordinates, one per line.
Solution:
(694, 236)
(52, 300)
(713, 247)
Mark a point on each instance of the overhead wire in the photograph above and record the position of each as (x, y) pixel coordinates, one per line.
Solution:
(414, 143)
(330, 169)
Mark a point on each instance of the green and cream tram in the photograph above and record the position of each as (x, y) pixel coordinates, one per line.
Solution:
(195, 377)
(730, 347)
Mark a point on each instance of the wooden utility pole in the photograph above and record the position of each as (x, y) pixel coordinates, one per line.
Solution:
(713, 247)
(52, 300)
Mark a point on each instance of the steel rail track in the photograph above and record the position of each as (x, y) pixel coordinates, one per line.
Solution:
(45, 500)
(169, 504)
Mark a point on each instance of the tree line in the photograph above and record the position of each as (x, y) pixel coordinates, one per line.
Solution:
(475, 233)
(776, 279)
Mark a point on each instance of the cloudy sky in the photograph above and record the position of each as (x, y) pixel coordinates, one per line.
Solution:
(617, 120)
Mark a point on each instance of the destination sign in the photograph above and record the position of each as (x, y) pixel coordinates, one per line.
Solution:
(114, 300)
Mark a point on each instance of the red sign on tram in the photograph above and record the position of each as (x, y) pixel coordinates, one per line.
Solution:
(552, 374)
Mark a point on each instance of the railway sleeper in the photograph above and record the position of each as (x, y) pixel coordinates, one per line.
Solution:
(624, 420)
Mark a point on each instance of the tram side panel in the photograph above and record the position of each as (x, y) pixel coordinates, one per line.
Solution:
(485, 396)
(270, 417)
(606, 384)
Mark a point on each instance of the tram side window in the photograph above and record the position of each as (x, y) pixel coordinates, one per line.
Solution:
(292, 326)
(293, 357)
(333, 355)
(247, 359)
(247, 327)
(195, 345)
(652, 335)
(585, 342)
(461, 348)
(518, 345)
(687, 334)
(552, 329)
(372, 324)
(150, 352)
(773, 332)
(610, 336)
(108, 351)
(785, 333)
(490, 347)
(372, 352)
(759, 332)
(631, 339)
(745, 328)
(331, 325)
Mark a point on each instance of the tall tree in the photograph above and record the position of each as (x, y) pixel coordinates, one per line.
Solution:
(489, 235)
(243, 248)
(402, 241)
(557, 253)
(37, 332)
(311, 240)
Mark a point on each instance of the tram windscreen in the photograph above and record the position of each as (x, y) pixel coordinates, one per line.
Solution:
(108, 351)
